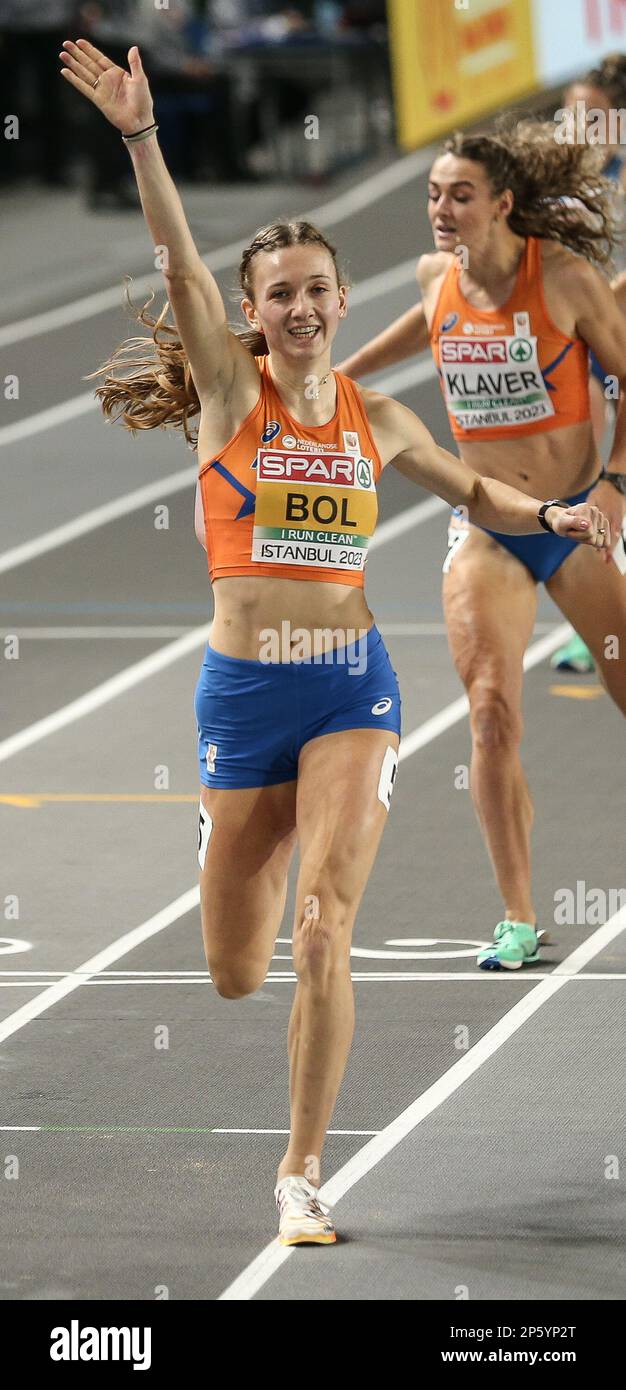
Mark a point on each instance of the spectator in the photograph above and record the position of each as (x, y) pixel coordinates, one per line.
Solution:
(113, 28)
(192, 94)
(31, 34)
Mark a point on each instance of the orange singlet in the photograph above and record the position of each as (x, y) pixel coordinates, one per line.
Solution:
(289, 500)
(509, 371)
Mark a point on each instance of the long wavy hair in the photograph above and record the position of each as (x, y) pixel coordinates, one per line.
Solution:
(558, 189)
(157, 389)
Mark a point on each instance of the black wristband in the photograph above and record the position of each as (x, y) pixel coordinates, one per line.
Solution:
(135, 133)
(618, 480)
(541, 514)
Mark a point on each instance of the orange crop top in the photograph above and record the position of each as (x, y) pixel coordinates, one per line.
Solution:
(508, 371)
(292, 501)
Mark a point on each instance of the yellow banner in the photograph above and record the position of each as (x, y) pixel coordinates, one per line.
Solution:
(454, 60)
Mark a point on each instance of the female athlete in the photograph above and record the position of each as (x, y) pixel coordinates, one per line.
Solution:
(300, 746)
(510, 304)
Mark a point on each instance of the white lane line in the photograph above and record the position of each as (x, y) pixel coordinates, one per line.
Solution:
(336, 210)
(436, 629)
(65, 634)
(100, 694)
(37, 1006)
(377, 977)
(257, 1273)
(406, 520)
(116, 685)
(415, 373)
(98, 516)
(148, 631)
(395, 278)
(69, 1129)
(48, 419)
(286, 1131)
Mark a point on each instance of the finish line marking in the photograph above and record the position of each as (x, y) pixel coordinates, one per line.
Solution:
(273, 1256)
(289, 977)
(156, 1129)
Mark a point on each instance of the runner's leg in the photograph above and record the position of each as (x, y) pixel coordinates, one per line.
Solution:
(592, 596)
(243, 885)
(340, 822)
(490, 602)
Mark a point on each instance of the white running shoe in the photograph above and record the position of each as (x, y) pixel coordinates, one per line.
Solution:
(303, 1218)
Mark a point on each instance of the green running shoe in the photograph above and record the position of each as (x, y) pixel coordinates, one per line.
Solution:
(574, 656)
(514, 944)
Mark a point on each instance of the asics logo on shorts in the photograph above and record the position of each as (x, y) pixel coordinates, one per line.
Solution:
(382, 706)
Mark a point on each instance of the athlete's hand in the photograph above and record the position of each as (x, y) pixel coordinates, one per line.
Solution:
(124, 98)
(584, 523)
(611, 502)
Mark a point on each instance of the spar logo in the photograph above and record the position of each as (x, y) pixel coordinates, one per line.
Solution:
(521, 350)
(363, 473)
(277, 465)
(461, 350)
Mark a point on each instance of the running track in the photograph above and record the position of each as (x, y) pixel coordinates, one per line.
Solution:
(481, 1117)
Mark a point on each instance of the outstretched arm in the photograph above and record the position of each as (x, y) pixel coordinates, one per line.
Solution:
(487, 501)
(404, 337)
(125, 100)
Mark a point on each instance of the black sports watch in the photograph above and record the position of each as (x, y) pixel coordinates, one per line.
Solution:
(541, 514)
(617, 479)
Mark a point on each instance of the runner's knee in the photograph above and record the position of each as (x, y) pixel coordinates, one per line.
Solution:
(234, 979)
(495, 718)
(321, 939)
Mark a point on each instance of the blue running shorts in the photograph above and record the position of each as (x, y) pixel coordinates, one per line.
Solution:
(254, 717)
(541, 552)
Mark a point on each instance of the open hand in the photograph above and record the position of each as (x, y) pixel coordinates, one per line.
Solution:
(123, 97)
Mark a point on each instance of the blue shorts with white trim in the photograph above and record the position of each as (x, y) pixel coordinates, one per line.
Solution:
(254, 717)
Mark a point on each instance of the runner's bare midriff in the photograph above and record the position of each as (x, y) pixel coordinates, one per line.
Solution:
(246, 607)
(559, 463)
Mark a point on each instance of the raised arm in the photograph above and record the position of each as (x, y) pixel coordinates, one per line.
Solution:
(410, 448)
(126, 101)
(404, 338)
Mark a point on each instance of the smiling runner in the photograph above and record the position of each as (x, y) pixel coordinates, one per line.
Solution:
(297, 745)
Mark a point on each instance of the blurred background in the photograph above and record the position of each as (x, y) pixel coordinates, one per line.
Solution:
(298, 91)
(233, 81)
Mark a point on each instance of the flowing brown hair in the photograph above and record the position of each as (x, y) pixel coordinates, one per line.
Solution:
(559, 191)
(158, 390)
